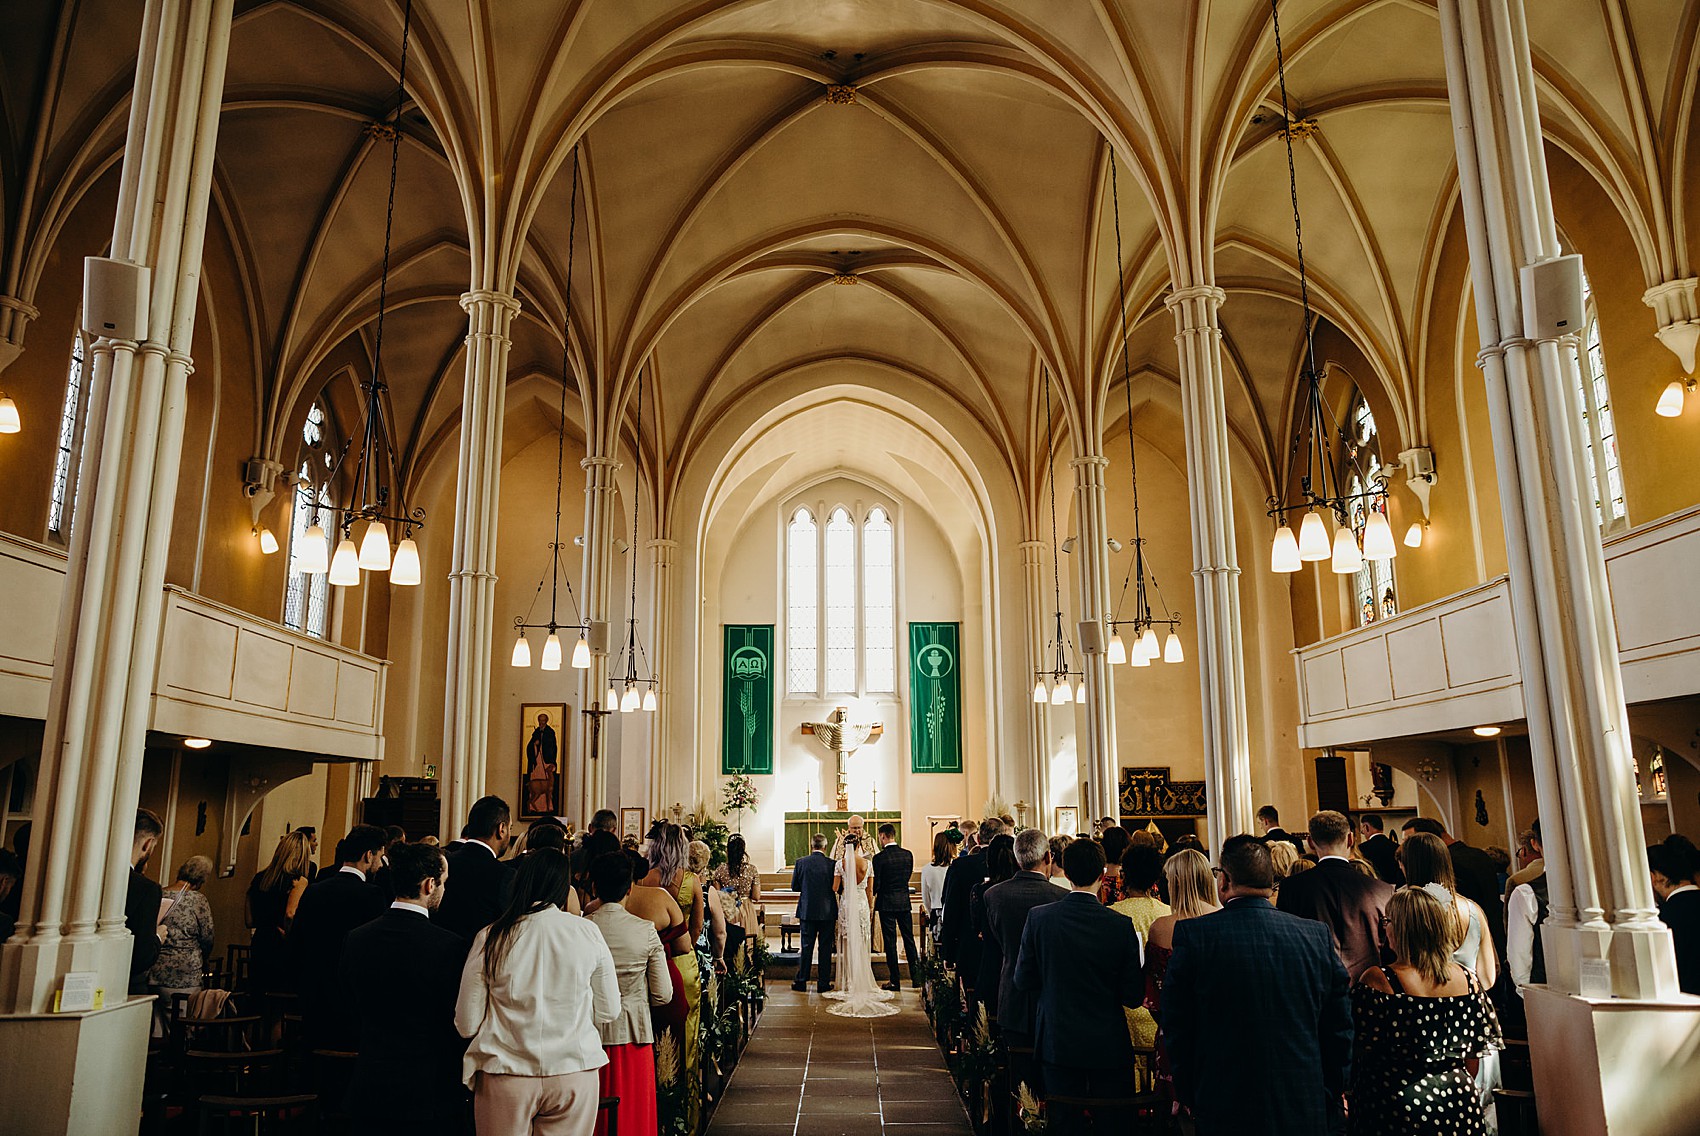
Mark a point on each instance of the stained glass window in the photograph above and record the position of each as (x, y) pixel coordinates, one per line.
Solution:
(802, 598)
(1599, 430)
(67, 462)
(1373, 596)
(306, 597)
(879, 604)
(840, 578)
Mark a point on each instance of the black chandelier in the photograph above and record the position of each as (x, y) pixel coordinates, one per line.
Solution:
(1066, 684)
(1320, 484)
(1143, 624)
(637, 691)
(557, 574)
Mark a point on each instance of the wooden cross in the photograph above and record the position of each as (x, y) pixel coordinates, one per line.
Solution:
(595, 714)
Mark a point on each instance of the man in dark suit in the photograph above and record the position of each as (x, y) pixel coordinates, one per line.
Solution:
(1008, 905)
(141, 901)
(483, 882)
(1270, 821)
(1245, 975)
(1674, 866)
(817, 911)
(1382, 853)
(330, 908)
(1338, 895)
(400, 974)
(1476, 874)
(957, 943)
(1082, 963)
(893, 865)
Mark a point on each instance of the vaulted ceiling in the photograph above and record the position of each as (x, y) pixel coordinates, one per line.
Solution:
(950, 221)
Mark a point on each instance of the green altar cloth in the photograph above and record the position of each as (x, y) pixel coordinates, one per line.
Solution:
(800, 826)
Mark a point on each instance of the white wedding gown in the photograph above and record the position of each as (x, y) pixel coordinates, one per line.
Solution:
(855, 991)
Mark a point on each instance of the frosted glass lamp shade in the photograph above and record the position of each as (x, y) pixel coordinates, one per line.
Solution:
(1139, 659)
(1670, 404)
(552, 652)
(649, 700)
(1378, 538)
(1116, 653)
(581, 655)
(375, 548)
(1284, 553)
(312, 554)
(611, 700)
(1172, 649)
(10, 422)
(522, 651)
(1061, 693)
(1080, 692)
(268, 542)
(1347, 558)
(1038, 693)
(1313, 537)
(1148, 644)
(630, 700)
(345, 565)
(1414, 535)
(404, 566)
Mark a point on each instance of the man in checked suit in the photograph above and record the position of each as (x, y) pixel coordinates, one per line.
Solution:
(893, 864)
(817, 911)
(1239, 977)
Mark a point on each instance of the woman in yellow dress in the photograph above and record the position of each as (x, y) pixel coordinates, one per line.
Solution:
(667, 851)
(1142, 868)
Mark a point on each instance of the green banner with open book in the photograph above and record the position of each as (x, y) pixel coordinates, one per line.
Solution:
(746, 716)
(935, 698)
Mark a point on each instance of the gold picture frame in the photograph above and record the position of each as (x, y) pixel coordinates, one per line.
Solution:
(1068, 820)
(542, 765)
(632, 823)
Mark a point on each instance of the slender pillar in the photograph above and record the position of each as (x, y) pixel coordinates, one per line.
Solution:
(600, 527)
(1098, 751)
(472, 575)
(1603, 913)
(1215, 567)
(1038, 718)
(661, 553)
(15, 317)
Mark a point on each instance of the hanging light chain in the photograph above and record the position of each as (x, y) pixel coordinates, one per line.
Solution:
(566, 370)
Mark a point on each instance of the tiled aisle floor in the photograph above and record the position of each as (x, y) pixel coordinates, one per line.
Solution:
(809, 1073)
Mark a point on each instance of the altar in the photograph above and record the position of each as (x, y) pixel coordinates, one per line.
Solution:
(802, 825)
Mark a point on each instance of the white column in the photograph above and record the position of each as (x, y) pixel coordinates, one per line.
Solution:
(599, 532)
(472, 575)
(661, 641)
(1098, 744)
(1038, 719)
(1215, 567)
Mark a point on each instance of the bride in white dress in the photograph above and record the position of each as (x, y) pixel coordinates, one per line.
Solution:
(855, 991)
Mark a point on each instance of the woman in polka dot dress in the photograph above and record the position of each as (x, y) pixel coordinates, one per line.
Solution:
(1421, 1024)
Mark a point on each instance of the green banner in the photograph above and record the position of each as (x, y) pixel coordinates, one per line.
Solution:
(935, 698)
(746, 716)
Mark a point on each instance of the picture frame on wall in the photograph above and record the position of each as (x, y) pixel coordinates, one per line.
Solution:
(542, 780)
(632, 823)
(1068, 820)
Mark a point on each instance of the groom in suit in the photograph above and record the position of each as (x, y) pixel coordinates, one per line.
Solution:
(817, 911)
(893, 864)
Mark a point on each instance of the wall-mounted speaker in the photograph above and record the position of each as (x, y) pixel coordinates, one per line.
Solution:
(1091, 634)
(1552, 298)
(597, 637)
(115, 298)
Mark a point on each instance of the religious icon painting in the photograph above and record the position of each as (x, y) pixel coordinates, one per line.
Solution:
(542, 778)
(631, 823)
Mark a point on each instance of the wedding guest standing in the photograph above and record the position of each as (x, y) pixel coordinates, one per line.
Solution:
(1673, 865)
(188, 927)
(1008, 905)
(1422, 1021)
(1000, 866)
(932, 883)
(1142, 868)
(142, 901)
(1192, 892)
(1381, 852)
(1349, 902)
(1427, 865)
(483, 882)
(273, 899)
(535, 1047)
(640, 964)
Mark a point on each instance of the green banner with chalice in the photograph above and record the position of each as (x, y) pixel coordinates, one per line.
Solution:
(746, 717)
(935, 698)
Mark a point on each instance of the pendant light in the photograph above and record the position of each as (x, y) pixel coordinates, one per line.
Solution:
(1414, 535)
(1669, 406)
(370, 489)
(312, 552)
(1320, 488)
(10, 422)
(557, 572)
(1116, 652)
(1060, 676)
(268, 541)
(1139, 579)
(638, 691)
(1039, 695)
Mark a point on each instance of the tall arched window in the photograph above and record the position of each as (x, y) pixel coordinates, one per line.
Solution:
(306, 598)
(841, 603)
(67, 459)
(1599, 430)
(1373, 596)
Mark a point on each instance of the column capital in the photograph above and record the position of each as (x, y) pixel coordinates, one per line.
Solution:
(662, 543)
(1088, 460)
(1179, 297)
(481, 296)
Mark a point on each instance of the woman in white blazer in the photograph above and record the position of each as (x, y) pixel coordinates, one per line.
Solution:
(641, 963)
(537, 984)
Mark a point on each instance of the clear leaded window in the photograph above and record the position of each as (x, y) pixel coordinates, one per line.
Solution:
(1373, 595)
(306, 598)
(1599, 429)
(67, 458)
(841, 603)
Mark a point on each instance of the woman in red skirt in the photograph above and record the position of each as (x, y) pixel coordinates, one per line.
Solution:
(641, 965)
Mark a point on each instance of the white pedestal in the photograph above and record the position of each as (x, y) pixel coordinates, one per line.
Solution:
(1616, 1065)
(74, 1074)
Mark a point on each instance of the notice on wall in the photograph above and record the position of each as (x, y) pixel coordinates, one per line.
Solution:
(935, 698)
(746, 699)
(79, 993)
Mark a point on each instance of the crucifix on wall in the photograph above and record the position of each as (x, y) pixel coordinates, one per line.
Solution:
(841, 737)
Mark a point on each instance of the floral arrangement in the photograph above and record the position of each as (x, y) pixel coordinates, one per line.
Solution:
(670, 1087)
(978, 1061)
(1029, 1110)
(707, 826)
(739, 794)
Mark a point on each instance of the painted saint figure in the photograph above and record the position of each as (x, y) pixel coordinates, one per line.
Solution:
(540, 766)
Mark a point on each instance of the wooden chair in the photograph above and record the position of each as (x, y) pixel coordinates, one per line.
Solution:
(258, 1116)
(245, 1072)
(237, 960)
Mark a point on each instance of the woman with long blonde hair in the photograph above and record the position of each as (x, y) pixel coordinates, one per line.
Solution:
(1428, 864)
(272, 899)
(1192, 892)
